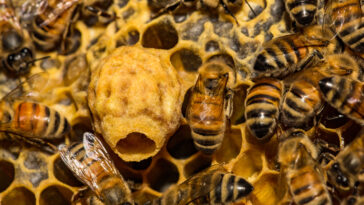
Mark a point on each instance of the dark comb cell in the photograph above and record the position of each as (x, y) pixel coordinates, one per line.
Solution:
(19, 195)
(212, 46)
(6, 174)
(64, 174)
(190, 60)
(58, 195)
(162, 175)
(180, 145)
(161, 35)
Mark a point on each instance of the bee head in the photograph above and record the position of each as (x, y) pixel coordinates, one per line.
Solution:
(338, 178)
(19, 62)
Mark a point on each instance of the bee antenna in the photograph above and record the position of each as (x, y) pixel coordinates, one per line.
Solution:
(251, 8)
(37, 59)
(228, 10)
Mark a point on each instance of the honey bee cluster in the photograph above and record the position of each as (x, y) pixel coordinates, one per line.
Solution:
(181, 102)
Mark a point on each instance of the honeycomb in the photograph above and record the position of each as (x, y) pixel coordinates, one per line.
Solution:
(30, 175)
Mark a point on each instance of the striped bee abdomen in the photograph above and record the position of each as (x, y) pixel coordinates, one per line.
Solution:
(348, 22)
(38, 121)
(346, 95)
(262, 107)
(307, 186)
(208, 123)
(300, 104)
(230, 188)
(302, 11)
(291, 53)
(95, 170)
(211, 186)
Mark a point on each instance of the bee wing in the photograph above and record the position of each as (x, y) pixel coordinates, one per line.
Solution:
(327, 20)
(200, 185)
(336, 16)
(78, 168)
(34, 85)
(94, 152)
(7, 15)
(30, 8)
(228, 103)
(58, 10)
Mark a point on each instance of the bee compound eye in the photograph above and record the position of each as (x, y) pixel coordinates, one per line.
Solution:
(342, 180)
(26, 52)
(11, 59)
(336, 166)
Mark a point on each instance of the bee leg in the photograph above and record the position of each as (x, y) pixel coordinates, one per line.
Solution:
(326, 147)
(229, 103)
(81, 193)
(325, 159)
(63, 49)
(313, 59)
(230, 13)
(38, 143)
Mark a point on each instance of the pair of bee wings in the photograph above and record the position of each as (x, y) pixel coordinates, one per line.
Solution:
(31, 8)
(199, 186)
(58, 10)
(7, 15)
(33, 87)
(95, 152)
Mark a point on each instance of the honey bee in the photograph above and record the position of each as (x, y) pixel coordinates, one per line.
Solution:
(346, 168)
(210, 106)
(90, 162)
(345, 95)
(32, 121)
(303, 175)
(52, 27)
(288, 54)
(302, 12)
(213, 185)
(262, 107)
(345, 18)
(303, 99)
(35, 120)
